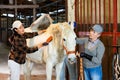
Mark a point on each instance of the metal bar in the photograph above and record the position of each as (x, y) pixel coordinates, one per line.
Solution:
(84, 15)
(110, 34)
(66, 7)
(7, 29)
(85, 11)
(91, 12)
(0, 26)
(57, 12)
(109, 13)
(77, 11)
(109, 16)
(100, 11)
(87, 14)
(78, 8)
(51, 4)
(95, 12)
(18, 6)
(76, 14)
(34, 14)
(104, 15)
(81, 13)
(88, 10)
(114, 24)
(107, 34)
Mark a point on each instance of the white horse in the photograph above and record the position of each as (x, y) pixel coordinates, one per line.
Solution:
(62, 43)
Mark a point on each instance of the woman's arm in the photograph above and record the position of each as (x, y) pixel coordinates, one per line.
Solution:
(30, 34)
(81, 40)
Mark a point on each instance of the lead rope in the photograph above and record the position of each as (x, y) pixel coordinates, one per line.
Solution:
(68, 52)
(81, 64)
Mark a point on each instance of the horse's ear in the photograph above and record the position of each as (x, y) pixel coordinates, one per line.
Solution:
(72, 24)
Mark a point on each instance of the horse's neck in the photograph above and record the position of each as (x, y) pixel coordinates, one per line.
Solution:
(38, 39)
(30, 29)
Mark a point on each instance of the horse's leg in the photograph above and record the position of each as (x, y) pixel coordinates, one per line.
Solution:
(27, 68)
(49, 67)
(58, 70)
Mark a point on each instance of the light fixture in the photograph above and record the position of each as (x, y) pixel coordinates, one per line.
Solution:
(29, 0)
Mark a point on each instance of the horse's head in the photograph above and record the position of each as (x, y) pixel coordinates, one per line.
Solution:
(69, 42)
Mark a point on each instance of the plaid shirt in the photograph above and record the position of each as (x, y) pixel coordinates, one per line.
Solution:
(20, 48)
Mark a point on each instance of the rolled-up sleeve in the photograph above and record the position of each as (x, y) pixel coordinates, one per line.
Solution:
(20, 45)
(30, 35)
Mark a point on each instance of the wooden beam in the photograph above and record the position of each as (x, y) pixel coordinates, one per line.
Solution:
(18, 6)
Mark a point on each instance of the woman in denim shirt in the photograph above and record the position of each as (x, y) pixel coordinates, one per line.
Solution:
(93, 53)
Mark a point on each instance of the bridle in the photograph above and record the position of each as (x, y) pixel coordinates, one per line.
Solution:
(68, 52)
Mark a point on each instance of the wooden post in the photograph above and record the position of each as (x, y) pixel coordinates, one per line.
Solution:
(0, 28)
(71, 17)
(16, 10)
(34, 10)
(71, 10)
(34, 14)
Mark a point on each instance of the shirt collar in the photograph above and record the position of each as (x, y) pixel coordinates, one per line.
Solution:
(94, 42)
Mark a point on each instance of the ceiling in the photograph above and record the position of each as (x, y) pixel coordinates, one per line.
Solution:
(44, 6)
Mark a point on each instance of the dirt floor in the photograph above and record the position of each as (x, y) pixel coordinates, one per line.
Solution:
(38, 72)
(33, 77)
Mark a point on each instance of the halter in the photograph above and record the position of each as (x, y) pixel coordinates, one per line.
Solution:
(68, 52)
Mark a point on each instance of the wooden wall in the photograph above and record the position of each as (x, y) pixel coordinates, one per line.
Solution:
(106, 13)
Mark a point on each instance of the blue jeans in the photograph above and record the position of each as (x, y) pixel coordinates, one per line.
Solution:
(93, 73)
(72, 70)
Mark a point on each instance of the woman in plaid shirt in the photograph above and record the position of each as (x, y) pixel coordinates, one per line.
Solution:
(19, 48)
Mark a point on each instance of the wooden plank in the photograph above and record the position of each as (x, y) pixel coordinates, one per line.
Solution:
(18, 6)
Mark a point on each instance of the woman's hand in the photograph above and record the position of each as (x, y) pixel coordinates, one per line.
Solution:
(42, 44)
(45, 44)
(77, 54)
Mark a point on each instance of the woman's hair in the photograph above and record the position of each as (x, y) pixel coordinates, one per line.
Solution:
(11, 38)
(14, 32)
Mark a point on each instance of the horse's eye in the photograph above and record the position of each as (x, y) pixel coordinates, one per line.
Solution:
(64, 39)
(69, 23)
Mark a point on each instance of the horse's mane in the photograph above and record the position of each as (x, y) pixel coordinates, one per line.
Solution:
(56, 32)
